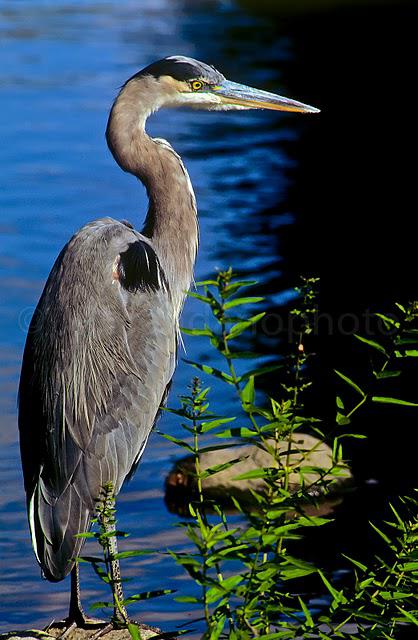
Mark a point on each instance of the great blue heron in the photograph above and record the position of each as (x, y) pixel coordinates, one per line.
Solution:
(101, 347)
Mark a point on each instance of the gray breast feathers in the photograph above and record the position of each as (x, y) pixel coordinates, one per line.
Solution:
(99, 355)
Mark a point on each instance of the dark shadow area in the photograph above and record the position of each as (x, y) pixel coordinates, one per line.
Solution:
(353, 195)
(346, 215)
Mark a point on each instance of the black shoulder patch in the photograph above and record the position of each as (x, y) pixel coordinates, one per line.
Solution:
(139, 268)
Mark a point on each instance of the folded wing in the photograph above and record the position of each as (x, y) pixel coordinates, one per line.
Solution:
(99, 356)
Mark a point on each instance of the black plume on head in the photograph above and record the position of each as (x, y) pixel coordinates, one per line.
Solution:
(182, 68)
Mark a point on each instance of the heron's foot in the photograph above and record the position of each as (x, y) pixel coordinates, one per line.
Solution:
(94, 629)
(110, 626)
(79, 620)
(118, 624)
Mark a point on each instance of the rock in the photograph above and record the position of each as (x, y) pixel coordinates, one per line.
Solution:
(22, 635)
(306, 451)
(80, 634)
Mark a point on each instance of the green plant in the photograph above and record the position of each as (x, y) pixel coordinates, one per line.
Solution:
(248, 569)
(245, 572)
(401, 344)
(107, 567)
(384, 598)
(250, 578)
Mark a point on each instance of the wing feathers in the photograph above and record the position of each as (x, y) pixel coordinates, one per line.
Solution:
(99, 355)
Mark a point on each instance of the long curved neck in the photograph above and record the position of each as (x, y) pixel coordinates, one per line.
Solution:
(171, 221)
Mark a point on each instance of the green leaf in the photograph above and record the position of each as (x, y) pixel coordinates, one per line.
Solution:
(410, 566)
(371, 343)
(308, 617)
(180, 443)
(386, 400)
(202, 395)
(147, 595)
(101, 605)
(406, 341)
(188, 599)
(212, 424)
(206, 283)
(383, 536)
(132, 554)
(230, 289)
(342, 420)
(198, 296)
(355, 562)
(115, 533)
(217, 447)
(241, 355)
(358, 436)
(394, 595)
(350, 382)
(91, 559)
(216, 631)
(211, 371)
(290, 573)
(313, 521)
(248, 392)
(276, 635)
(409, 616)
(99, 571)
(224, 586)
(367, 582)
(239, 301)
(381, 375)
(217, 468)
(338, 596)
(197, 332)
(234, 550)
(237, 432)
(238, 328)
(389, 322)
(254, 473)
(134, 631)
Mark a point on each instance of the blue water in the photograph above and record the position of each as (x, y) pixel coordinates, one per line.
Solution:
(61, 64)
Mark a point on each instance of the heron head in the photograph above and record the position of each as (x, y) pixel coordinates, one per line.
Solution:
(187, 82)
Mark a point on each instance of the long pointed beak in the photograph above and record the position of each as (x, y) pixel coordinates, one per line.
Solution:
(234, 93)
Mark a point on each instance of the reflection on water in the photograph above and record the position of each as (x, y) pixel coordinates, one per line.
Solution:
(62, 63)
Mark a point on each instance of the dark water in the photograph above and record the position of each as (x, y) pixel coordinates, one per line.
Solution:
(61, 66)
(277, 197)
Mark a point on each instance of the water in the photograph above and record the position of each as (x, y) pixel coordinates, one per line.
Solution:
(61, 65)
(278, 195)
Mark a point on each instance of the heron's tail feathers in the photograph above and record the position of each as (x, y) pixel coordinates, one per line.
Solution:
(54, 523)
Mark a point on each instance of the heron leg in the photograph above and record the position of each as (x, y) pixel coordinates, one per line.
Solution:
(76, 617)
(76, 614)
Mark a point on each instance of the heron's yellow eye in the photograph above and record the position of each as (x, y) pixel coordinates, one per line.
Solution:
(196, 85)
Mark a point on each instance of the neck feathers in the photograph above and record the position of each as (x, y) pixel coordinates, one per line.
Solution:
(171, 221)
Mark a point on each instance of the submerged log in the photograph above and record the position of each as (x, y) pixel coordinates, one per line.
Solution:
(308, 458)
